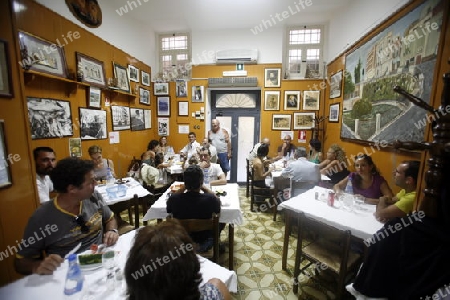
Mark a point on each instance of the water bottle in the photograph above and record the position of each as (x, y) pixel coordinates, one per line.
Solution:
(74, 277)
(109, 178)
(206, 177)
(349, 187)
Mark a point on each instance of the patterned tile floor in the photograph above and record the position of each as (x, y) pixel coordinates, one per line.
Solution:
(257, 258)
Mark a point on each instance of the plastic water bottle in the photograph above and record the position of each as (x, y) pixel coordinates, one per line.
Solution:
(109, 178)
(74, 277)
(349, 187)
(206, 177)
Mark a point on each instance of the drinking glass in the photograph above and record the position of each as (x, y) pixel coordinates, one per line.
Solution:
(108, 263)
(347, 201)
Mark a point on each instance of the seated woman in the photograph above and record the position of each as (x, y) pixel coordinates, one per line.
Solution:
(148, 156)
(366, 181)
(259, 170)
(334, 166)
(315, 155)
(178, 279)
(101, 164)
(163, 146)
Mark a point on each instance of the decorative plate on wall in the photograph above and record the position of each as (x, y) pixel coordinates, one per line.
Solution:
(87, 12)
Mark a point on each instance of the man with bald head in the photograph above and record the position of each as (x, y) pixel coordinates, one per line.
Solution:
(285, 148)
(254, 151)
(221, 140)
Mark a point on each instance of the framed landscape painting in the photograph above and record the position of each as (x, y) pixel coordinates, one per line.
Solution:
(334, 113)
(304, 120)
(311, 100)
(281, 122)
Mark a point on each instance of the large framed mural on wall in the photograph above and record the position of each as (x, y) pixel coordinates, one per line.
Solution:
(403, 54)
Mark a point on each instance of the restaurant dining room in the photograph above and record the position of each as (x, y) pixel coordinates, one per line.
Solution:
(256, 150)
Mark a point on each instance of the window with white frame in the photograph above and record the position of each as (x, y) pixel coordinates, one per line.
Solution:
(174, 56)
(304, 52)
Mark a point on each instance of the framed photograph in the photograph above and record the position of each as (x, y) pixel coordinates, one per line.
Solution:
(5, 171)
(144, 96)
(163, 106)
(6, 89)
(183, 108)
(272, 78)
(271, 100)
(145, 78)
(304, 120)
(133, 73)
(121, 74)
(35, 58)
(311, 100)
(181, 88)
(91, 69)
(137, 119)
(198, 93)
(94, 97)
(336, 85)
(147, 118)
(163, 126)
(292, 100)
(281, 122)
(92, 124)
(120, 117)
(334, 113)
(161, 88)
(49, 118)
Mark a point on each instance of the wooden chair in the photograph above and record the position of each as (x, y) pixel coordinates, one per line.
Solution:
(325, 255)
(195, 225)
(258, 192)
(248, 178)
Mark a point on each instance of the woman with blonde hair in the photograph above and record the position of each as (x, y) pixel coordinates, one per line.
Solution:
(334, 166)
(101, 164)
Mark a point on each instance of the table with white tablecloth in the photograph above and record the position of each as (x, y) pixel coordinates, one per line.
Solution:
(45, 287)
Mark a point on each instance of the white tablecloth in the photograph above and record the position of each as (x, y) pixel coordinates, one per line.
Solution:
(230, 212)
(51, 287)
(278, 174)
(133, 187)
(361, 223)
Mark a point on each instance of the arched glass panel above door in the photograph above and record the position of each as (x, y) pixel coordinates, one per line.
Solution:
(236, 101)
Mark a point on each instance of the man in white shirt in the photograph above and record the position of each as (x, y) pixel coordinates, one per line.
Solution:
(254, 151)
(192, 147)
(303, 173)
(45, 160)
(215, 172)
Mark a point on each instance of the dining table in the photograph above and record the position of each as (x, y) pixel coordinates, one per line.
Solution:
(45, 287)
(230, 211)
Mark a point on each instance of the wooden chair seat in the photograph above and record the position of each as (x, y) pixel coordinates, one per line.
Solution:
(259, 192)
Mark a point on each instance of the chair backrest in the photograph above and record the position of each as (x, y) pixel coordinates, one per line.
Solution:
(299, 187)
(196, 225)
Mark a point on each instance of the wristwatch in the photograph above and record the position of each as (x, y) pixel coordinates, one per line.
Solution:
(115, 230)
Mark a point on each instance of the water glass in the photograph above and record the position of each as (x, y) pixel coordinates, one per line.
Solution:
(347, 201)
(109, 263)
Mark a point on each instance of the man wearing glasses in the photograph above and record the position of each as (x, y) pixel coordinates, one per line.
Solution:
(75, 216)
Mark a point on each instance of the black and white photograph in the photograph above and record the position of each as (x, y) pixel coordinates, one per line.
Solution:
(147, 118)
(90, 70)
(92, 124)
(272, 100)
(281, 122)
(292, 100)
(137, 119)
(336, 85)
(272, 78)
(334, 113)
(311, 100)
(163, 126)
(144, 96)
(120, 117)
(145, 78)
(304, 120)
(161, 88)
(95, 96)
(49, 118)
(198, 93)
(133, 73)
(121, 74)
(181, 88)
(163, 106)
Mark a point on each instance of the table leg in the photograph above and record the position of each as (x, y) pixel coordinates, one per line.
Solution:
(136, 211)
(287, 233)
(230, 246)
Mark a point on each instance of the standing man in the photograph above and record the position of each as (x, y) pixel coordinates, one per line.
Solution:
(254, 152)
(76, 215)
(221, 140)
(192, 147)
(405, 176)
(45, 160)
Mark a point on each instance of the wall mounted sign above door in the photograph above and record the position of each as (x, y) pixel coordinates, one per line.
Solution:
(87, 12)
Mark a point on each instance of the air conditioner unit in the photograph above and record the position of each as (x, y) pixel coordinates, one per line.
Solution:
(237, 56)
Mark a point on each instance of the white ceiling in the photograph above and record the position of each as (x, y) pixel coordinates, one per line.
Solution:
(204, 15)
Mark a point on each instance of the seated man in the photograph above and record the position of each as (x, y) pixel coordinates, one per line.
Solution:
(303, 173)
(216, 175)
(45, 160)
(206, 143)
(254, 152)
(405, 176)
(191, 148)
(286, 148)
(76, 215)
(195, 205)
